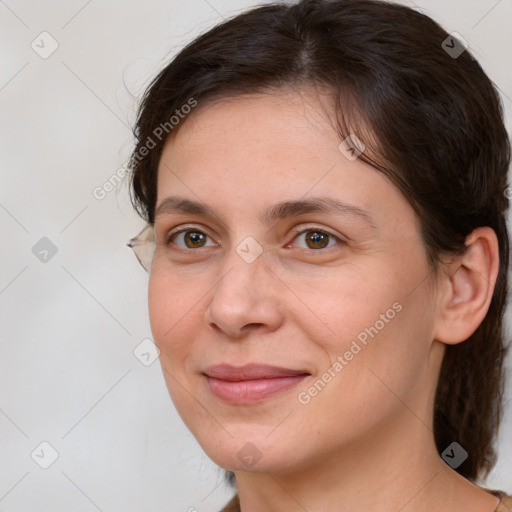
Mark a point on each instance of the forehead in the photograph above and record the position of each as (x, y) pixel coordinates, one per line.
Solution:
(254, 136)
(280, 120)
(247, 152)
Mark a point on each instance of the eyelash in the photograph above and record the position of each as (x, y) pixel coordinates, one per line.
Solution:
(171, 236)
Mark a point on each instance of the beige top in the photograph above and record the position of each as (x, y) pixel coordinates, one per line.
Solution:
(505, 504)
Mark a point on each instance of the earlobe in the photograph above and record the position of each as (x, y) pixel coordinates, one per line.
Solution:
(468, 286)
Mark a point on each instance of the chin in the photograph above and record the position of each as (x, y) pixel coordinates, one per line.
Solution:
(248, 452)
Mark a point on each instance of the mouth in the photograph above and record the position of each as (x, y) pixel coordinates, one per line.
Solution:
(250, 383)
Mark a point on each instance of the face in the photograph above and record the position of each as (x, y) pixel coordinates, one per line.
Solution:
(289, 291)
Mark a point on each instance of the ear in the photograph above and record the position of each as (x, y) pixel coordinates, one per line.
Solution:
(467, 287)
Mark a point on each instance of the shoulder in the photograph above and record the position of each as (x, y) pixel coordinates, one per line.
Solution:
(505, 504)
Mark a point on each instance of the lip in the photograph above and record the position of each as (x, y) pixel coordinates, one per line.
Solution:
(250, 383)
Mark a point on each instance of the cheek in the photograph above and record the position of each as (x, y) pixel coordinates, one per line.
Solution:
(380, 365)
(161, 310)
(173, 312)
(356, 302)
(374, 368)
(174, 323)
(375, 322)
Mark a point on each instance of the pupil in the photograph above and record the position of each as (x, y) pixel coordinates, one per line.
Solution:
(196, 239)
(318, 239)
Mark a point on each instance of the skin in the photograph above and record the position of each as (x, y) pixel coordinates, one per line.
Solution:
(365, 441)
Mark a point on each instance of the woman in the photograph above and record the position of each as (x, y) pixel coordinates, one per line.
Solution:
(325, 190)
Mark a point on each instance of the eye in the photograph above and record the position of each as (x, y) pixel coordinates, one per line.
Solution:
(309, 239)
(316, 239)
(189, 239)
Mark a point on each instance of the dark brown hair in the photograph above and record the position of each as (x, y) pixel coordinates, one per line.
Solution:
(437, 132)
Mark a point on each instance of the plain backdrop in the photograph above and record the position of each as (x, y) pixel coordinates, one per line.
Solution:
(72, 296)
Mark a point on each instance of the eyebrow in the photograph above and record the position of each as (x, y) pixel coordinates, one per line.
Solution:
(279, 211)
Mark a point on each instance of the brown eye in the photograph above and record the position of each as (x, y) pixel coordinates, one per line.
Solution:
(315, 239)
(194, 239)
(190, 239)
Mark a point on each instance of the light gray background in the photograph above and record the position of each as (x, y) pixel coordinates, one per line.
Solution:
(68, 375)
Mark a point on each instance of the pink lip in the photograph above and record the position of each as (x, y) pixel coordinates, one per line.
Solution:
(250, 383)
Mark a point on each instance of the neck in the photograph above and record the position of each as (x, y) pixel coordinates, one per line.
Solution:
(385, 471)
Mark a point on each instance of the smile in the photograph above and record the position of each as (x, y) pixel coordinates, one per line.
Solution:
(251, 383)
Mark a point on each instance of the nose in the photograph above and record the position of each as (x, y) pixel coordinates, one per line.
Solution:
(245, 299)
